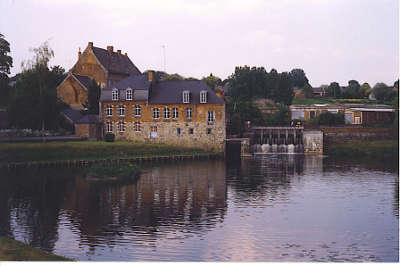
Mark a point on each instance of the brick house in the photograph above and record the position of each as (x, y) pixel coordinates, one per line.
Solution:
(185, 113)
(103, 65)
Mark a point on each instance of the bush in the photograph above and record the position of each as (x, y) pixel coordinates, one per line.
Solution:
(109, 137)
(121, 172)
(329, 119)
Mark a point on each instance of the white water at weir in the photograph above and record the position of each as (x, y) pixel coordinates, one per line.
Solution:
(275, 148)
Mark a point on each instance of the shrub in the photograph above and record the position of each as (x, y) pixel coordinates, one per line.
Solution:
(329, 119)
(109, 137)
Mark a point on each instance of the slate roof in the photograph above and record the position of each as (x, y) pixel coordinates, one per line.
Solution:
(115, 63)
(139, 84)
(84, 80)
(73, 115)
(170, 92)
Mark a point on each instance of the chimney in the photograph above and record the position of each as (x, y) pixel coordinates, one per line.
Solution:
(110, 48)
(150, 75)
(90, 45)
(119, 51)
(79, 53)
(126, 54)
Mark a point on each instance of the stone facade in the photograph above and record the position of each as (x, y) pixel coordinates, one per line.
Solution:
(195, 132)
(72, 92)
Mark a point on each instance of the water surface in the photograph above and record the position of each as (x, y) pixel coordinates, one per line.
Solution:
(267, 208)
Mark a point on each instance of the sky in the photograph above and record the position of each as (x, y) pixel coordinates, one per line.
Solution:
(331, 40)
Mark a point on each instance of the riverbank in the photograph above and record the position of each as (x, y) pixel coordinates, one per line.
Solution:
(12, 250)
(378, 150)
(88, 150)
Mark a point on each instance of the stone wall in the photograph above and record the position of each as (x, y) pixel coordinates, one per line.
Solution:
(208, 136)
(72, 92)
(82, 130)
(344, 135)
(313, 141)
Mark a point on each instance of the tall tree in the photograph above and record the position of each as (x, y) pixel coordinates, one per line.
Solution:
(212, 81)
(334, 90)
(6, 62)
(308, 91)
(285, 92)
(299, 77)
(365, 89)
(353, 90)
(383, 93)
(93, 98)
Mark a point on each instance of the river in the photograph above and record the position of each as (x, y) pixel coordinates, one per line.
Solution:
(275, 207)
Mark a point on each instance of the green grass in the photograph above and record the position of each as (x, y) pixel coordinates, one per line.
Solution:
(124, 172)
(379, 150)
(86, 150)
(12, 250)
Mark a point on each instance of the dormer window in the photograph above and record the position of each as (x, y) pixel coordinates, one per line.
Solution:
(203, 97)
(186, 96)
(115, 95)
(129, 95)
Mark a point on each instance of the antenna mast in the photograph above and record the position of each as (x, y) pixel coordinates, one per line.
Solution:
(165, 60)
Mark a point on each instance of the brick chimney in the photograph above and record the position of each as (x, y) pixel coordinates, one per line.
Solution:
(150, 75)
(126, 54)
(110, 48)
(90, 45)
(79, 53)
(119, 51)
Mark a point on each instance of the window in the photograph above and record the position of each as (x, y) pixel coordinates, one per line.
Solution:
(312, 114)
(121, 110)
(185, 96)
(210, 116)
(189, 113)
(175, 113)
(136, 127)
(167, 113)
(109, 126)
(153, 132)
(129, 95)
(156, 113)
(191, 131)
(121, 126)
(203, 97)
(138, 110)
(208, 131)
(178, 131)
(108, 110)
(357, 120)
(115, 95)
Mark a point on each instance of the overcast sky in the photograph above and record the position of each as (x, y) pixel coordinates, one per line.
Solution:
(332, 40)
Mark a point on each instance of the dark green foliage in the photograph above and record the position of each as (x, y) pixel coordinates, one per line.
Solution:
(298, 77)
(123, 172)
(280, 118)
(383, 93)
(6, 62)
(212, 81)
(29, 104)
(329, 119)
(109, 137)
(365, 90)
(353, 90)
(241, 112)
(92, 104)
(333, 90)
(307, 91)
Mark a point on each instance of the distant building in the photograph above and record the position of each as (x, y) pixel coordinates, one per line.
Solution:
(319, 91)
(185, 113)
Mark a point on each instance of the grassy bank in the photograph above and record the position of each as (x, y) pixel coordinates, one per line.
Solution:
(379, 150)
(86, 150)
(12, 250)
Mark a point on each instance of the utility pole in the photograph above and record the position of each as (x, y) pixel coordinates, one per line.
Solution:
(165, 59)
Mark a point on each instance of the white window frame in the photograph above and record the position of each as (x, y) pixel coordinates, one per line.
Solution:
(210, 116)
(189, 114)
(121, 110)
(175, 113)
(109, 110)
(121, 126)
(156, 113)
(129, 94)
(138, 110)
(136, 127)
(115, 95)
(357, 120)
(179, 131)
(185, 96)
(203, 96)
(167, 113)
(109, 127)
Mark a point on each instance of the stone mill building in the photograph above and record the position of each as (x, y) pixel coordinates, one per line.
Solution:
(142, 107)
